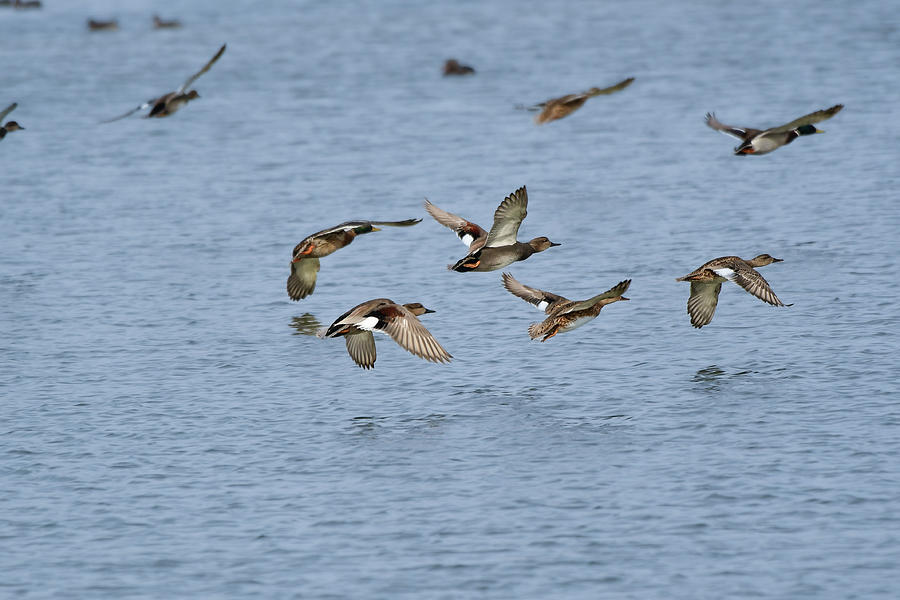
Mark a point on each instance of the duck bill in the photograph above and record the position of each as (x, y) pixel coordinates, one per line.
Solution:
(624, 298)
(777, 259)
(428, 310)
(554, 244)
(376, 228)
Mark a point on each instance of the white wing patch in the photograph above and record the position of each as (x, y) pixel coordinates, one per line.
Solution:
(368, 324)
(467, 239)
(543, 304)
(724, 272)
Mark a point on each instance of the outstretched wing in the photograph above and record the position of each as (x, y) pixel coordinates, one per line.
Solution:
(738, 132)
(507, 219)
(612, 292)
(347, 225)
(611, 89)
(702, 303)
(407, 331)
(814, 117)
(205, 68)
(361, 348)
(545, 301)
(302, 280)
(8, 110)
(468, 232)
(751, 280)
(143, 106)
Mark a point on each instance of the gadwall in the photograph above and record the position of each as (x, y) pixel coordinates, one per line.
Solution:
(557, 108)
(763, 141)
(305, 260)
(706, 283)
(398, 321)
(562, 314)
(489, 251)
(10, 125)
(171, 102)
(453, 67)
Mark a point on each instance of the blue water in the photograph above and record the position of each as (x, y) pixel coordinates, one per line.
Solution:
(168, 431)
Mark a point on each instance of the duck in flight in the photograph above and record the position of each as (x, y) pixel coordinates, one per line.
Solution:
(305, 261)
(170, 103)
(763, 141)
(396, 320)
(562, 314)
(557, 108)
(10, 125)
(706, 283)
(497, 248)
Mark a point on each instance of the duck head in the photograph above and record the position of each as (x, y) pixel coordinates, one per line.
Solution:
(539, 244)
(417, 309)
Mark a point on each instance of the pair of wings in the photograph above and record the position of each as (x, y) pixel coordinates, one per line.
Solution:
(704, 297)
(551, 303)
(180, 90)
(570, 98)
(743, 132)
(348, 225)
(504, 232)
(302, 280)
(401, 325)
(8, 110)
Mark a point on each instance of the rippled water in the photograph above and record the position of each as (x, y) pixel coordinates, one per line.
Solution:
(168, 430)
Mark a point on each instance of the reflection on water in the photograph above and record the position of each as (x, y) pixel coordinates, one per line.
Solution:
(306, 324)
(711, 377)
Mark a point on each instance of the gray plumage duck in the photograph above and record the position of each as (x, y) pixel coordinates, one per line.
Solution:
(497, 248)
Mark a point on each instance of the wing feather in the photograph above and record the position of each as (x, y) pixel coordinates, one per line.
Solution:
(532, 295)
(302, 280)
(205, 68)
(813, 117)
(701, 306)
(738, 132)
(407, 331)
(8, 110)
(507, 219)
(361, 348)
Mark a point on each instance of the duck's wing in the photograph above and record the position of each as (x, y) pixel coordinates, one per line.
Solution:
(205, 68)
(611, 89)
(468, 232)
(738, 132)
(749, 278)
(302, 280)
(404, 223)
(612, 292)
(507, 219)
(701, 306)
(347, 225)
(361, 348)
(143, 106)
(545, 301)
(8, 110)
(814, 117)
(405, 329)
